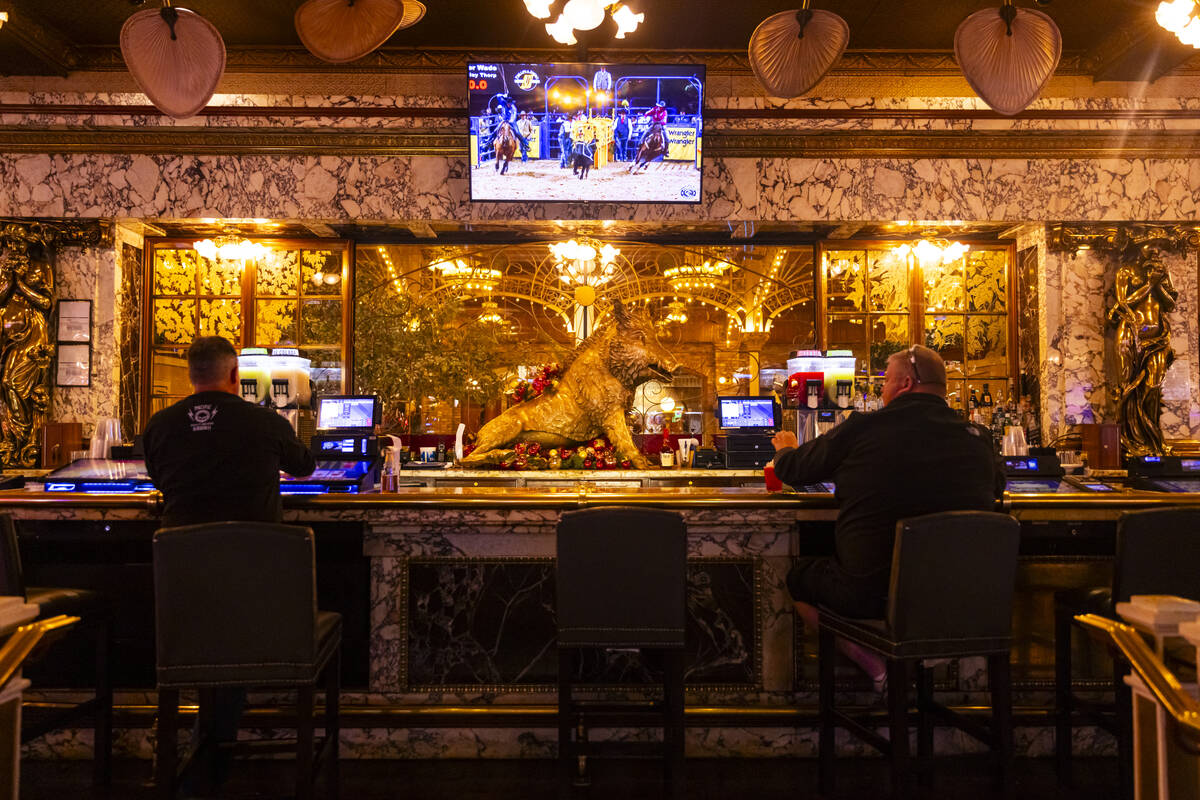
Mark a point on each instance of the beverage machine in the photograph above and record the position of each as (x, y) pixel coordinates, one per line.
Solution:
(818, 392)
(279, 380)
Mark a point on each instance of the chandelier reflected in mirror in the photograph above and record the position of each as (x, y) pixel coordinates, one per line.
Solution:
(687, 278)
(467, 277)
(584, 262)
(932, 252)
(676, 312)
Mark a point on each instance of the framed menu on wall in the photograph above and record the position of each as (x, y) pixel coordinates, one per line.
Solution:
(74, 347)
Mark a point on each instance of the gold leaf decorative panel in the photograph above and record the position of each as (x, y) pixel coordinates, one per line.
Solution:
(845, 276)
(220, 277)
(945, 334)
(174, 321)
(221, 318)
(987, 286)
(888, 275)
(278, 273)
(889, 334)
(175, 272)
(987, 345)
(275, 322)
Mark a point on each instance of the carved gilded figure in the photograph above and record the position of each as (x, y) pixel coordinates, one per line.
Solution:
(594, 395)
(1144, 296)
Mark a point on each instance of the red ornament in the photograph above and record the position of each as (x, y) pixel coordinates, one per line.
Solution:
(588, 463)
(626, 464)
(533, 448)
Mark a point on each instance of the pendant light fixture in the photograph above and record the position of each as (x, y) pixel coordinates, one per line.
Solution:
(1007, 55)
(340, 31)
(176, 56)
(790, 52)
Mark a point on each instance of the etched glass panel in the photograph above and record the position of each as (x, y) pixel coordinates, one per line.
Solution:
(987, 280)
(987, 345)
(320, 272)
(174, 321)
(944, 333)
(220, 277)
(222, 318)
(889, 333)
(278, 273)
(944, 287)
(175, 271)
(321, 322)
(275, 322)
(888, 275)
(845, 272)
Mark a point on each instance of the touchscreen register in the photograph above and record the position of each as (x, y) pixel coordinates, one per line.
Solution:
(344, 413)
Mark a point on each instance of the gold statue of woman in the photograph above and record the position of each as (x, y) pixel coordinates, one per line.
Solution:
(1144, 296)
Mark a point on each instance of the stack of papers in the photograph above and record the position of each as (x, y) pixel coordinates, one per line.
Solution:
(1159, 610)
(15, 611)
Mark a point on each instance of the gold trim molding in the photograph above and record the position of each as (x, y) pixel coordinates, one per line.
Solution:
(1118, 238)
(969, 144)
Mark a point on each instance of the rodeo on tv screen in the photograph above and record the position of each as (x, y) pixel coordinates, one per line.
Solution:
(606, 133)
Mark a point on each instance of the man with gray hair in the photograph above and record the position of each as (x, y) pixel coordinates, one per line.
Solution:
(913, 456)
(216, 458)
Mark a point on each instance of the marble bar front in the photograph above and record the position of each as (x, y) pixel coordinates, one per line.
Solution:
(448, 595)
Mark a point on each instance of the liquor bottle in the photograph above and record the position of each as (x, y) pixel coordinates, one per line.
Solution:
(986, 399)
(974, 399)
(860, 398)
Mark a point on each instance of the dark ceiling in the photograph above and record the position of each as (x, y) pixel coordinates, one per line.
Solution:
(907, 25)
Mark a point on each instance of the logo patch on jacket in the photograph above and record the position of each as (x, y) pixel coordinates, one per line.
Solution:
(202, 416)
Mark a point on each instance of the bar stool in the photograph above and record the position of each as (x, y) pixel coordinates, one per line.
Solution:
(949, 596)
(1157, 552)
(622, 580)
(236, 606)
(96, 626)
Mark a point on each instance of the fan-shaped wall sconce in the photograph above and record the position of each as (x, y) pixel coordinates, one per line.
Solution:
(340, 31)
(1007, 55)
(791, 51)
(176, 56)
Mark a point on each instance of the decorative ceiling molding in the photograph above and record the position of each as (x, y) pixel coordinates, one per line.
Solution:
(835, 144)
(1120, 236)
(913, 63)
(1138, 51)
(43, 42)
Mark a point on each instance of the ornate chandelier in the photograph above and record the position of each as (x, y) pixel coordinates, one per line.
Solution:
(229, 248)
(584, 15)
(490, 313)
(932, 252)
(1181, 19)
(468, 277)
(585, 262)
(693, 277)
(676, 312)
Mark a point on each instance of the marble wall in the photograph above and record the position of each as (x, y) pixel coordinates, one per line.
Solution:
(91, 273)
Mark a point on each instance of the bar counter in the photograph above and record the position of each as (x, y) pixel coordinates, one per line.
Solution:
(448, 592)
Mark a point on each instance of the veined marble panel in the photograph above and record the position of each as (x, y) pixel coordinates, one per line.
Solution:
(340, 188)
(90, 273)
(1181, 407)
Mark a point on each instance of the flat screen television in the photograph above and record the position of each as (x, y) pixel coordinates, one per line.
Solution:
(748, 414)
(605, 133)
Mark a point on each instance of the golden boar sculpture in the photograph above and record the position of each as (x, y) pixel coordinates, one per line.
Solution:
(593, 398)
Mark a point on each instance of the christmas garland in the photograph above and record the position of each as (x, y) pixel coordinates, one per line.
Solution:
(545, 381)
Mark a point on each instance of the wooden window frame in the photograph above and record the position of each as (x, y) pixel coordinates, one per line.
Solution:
(916, 296)
(247, 299)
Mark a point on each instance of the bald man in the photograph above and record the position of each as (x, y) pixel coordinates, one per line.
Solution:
(914, 456)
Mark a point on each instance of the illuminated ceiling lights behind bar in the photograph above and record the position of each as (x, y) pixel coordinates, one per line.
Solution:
(694, 277)
(467, 277)
(229, 248)
(1180, 18)
(584, 15)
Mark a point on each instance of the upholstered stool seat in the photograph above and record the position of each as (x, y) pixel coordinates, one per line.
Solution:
(236, 607)
(621, 578)
(949, 596)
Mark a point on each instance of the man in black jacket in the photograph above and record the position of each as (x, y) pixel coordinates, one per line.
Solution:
(914, 456)
(217, 458)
